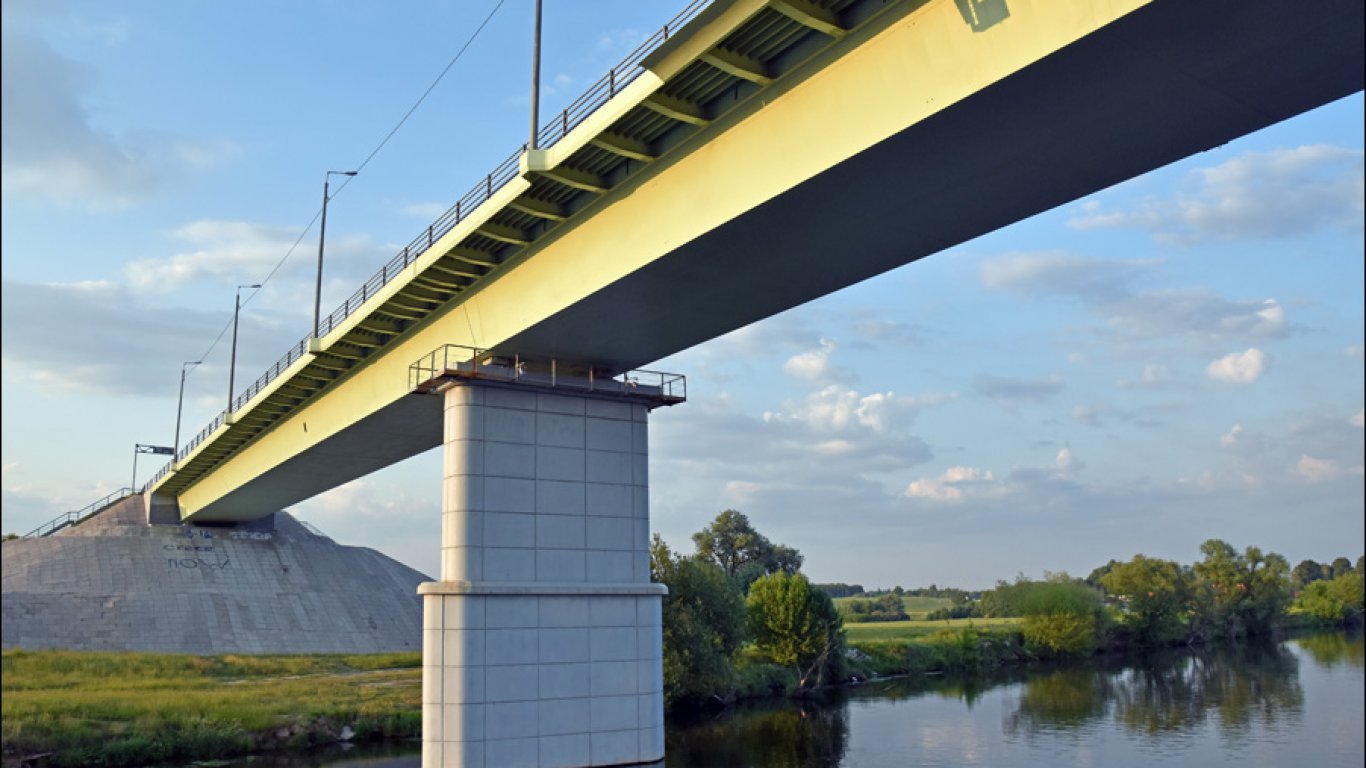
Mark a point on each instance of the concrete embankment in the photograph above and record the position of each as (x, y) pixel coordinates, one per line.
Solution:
(114, 583)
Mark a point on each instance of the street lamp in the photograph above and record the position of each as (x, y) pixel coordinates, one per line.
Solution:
(232, 365)
(536, 79)
(322, 233)
(184, 368)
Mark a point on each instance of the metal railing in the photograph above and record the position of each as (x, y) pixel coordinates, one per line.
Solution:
(73, 518)
(460, 361)
(557, 128)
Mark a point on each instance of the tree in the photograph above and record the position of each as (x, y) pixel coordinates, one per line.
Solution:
(704, 623)
(795, 625)
(1304, 574)
(742, 552)
(1095, 578)
(1239, 594)
(1341, 567)
(1154, 593)
(840, 589)
(1360, 567)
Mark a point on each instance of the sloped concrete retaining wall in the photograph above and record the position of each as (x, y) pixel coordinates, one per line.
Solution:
(115, 583)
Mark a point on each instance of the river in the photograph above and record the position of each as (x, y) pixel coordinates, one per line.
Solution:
(1295, 702)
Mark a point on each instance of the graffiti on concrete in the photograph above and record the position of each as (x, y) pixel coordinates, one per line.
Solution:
(196, 563)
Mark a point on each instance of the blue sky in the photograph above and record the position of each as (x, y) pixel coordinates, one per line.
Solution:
(1175, 358)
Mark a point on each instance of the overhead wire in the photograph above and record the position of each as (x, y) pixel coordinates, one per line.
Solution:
(309, 227)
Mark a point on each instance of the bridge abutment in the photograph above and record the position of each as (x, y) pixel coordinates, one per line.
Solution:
(542, 642)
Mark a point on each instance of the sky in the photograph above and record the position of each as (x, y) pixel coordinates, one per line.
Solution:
(1173, 359)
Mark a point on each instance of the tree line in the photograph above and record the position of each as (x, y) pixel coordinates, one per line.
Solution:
(1151, 602)
(741, 617)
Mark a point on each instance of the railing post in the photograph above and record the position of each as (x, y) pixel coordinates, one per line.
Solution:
(429, 237)
(488, 186)
(612, 82)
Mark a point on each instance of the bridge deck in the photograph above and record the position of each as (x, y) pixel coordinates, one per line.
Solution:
(765, 154)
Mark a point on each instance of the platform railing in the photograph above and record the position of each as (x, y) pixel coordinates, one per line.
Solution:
(75, 517)
(618, 77)
(457, 361)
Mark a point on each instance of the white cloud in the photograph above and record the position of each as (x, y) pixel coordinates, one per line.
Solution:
(1230, 438)
(1197, 315)
(1239, 367)
(1353, 351)
(1358, 419)
(1108, 288)
(1315, 470)
(1279, 193)
(1068, 462)
(230, 252)
(951, 485)
(835, 409)
(812, 365)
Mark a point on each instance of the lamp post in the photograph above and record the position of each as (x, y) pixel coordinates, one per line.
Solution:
(180, 404)
(536, 79)
(232, 365)
(322, 234)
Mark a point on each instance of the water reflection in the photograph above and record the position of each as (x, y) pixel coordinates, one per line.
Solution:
(1331, 649)
(1173, 706)
(1238, 687)
(774, 736)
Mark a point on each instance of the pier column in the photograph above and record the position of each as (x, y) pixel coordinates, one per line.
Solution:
(542, 642)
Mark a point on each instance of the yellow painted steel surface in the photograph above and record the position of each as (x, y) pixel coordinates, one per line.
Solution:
(896, 69)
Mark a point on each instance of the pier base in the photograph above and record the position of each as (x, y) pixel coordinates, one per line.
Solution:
(542, 642)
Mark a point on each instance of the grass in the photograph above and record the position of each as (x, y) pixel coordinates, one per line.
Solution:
(906, 631)
(118, 709)
(916, 606)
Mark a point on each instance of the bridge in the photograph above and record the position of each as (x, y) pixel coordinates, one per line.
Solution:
(751, 156)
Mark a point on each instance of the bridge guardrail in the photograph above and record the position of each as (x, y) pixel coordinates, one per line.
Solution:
(75, 517)
(557, 128)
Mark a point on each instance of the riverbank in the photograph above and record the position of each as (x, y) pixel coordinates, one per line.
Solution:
(65, 708)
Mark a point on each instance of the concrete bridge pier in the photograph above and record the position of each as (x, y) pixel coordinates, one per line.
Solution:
(542, 642)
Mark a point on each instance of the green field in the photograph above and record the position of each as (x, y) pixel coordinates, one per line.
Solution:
(884, 631)
(139, 708)
(916, 607)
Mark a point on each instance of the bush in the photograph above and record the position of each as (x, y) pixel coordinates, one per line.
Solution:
(795, 625)
(1060, 634)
